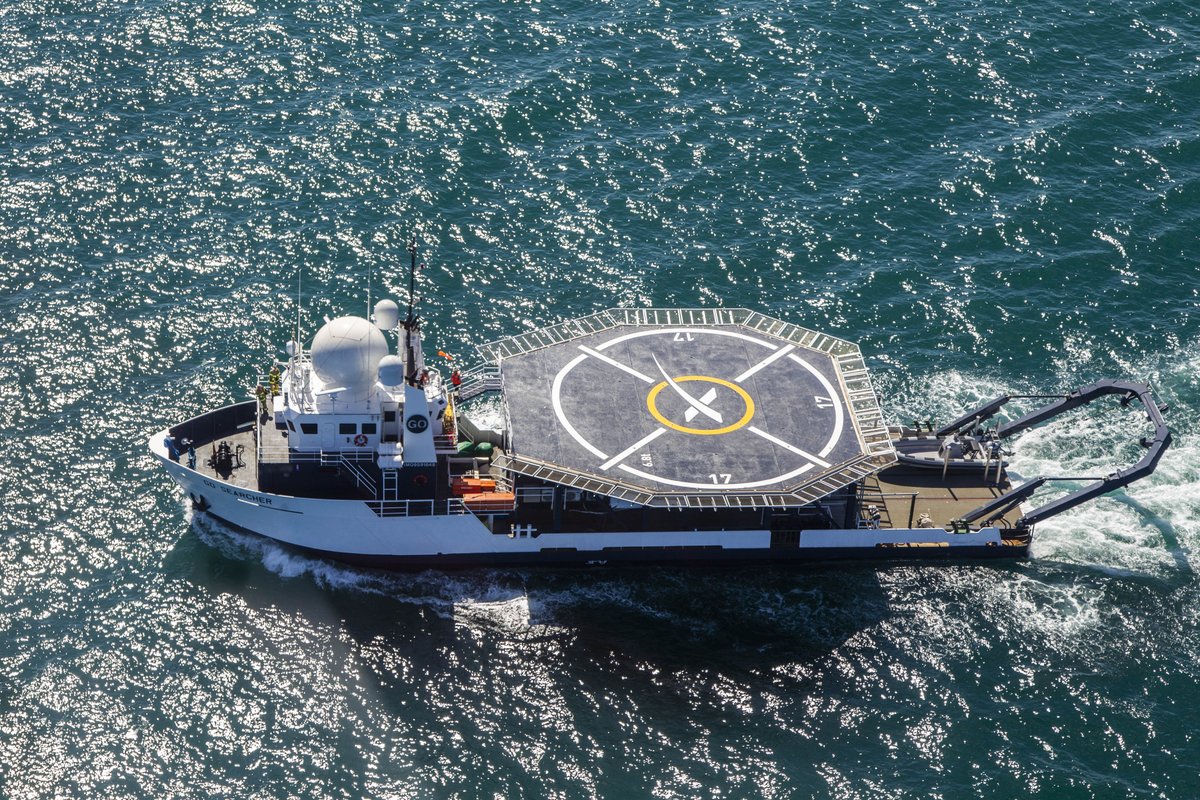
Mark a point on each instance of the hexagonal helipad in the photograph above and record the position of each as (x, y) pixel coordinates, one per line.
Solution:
(690, 408)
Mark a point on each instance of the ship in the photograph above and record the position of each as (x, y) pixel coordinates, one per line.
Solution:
(633, 435)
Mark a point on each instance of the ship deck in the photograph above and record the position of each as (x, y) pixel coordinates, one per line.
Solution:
(903, 494)
(262, 443)
(274, 442)
(243, 477)
(690, 409)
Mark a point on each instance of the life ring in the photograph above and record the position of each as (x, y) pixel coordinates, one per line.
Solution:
(420, 480)
(360, 440)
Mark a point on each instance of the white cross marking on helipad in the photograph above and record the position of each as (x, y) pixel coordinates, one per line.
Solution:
(697, 405)
(617, 364)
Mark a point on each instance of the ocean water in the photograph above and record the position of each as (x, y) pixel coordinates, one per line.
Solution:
(988, 195)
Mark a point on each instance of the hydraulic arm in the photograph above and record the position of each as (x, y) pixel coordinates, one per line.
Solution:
(1155, 445)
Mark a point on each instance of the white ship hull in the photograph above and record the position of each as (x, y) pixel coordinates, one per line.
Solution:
(349, 530)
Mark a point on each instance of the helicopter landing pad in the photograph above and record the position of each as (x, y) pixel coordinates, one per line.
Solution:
(691, 412)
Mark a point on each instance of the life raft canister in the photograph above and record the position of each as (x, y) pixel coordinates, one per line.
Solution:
(361, 440)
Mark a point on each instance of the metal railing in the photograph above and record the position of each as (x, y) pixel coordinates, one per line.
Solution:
(453, 506)
(666, 317)
(357, 454)
(864, 407)
(361, 478)
(349, 460)
(544, 494)
(480, 380)
(864, 497)
(793, 497)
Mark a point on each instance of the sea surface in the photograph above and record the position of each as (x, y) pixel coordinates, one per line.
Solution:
(989, 195)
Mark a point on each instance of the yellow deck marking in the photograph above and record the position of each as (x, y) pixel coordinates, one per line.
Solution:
(652, 398)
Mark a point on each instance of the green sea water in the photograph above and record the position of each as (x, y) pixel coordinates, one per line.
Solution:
(989, 196)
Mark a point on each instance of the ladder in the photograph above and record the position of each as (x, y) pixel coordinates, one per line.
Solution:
(869, 493)
(391, 484)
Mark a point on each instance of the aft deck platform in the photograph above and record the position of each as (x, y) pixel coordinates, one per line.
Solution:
(903, 494)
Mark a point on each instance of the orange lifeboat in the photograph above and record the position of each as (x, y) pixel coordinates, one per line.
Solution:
(464, 486)
(490, 502)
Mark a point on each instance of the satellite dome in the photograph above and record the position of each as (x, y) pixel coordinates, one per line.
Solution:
(346, 353)
(391, 371)
(387, 315)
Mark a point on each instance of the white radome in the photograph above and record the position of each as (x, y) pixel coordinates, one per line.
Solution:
(391, 371)
(346, 353)
(387, 315)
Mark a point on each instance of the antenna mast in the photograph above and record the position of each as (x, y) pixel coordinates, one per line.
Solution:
(411, 323)
(299, 283)
(412, 275)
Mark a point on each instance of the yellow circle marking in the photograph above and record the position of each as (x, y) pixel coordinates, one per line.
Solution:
(652, 405)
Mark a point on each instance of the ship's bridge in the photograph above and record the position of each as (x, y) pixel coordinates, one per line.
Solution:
(699, 408)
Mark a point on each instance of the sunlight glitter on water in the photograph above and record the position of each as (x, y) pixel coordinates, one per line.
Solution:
(992, 197)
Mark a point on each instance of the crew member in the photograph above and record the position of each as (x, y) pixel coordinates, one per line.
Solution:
(873, 517)
(261, 392)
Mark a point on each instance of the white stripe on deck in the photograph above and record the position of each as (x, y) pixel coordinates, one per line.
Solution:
(619, 457)
(814, 459)
(617, 364)
(766, 362)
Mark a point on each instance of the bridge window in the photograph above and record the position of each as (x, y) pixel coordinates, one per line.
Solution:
(308, 427)
(347, 428)
(368, 427)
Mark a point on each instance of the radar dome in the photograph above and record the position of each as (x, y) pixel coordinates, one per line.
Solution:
(391, 371)
(346, 353)
(387, 315)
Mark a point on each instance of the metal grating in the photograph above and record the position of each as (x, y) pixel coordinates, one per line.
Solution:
(822, 486)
